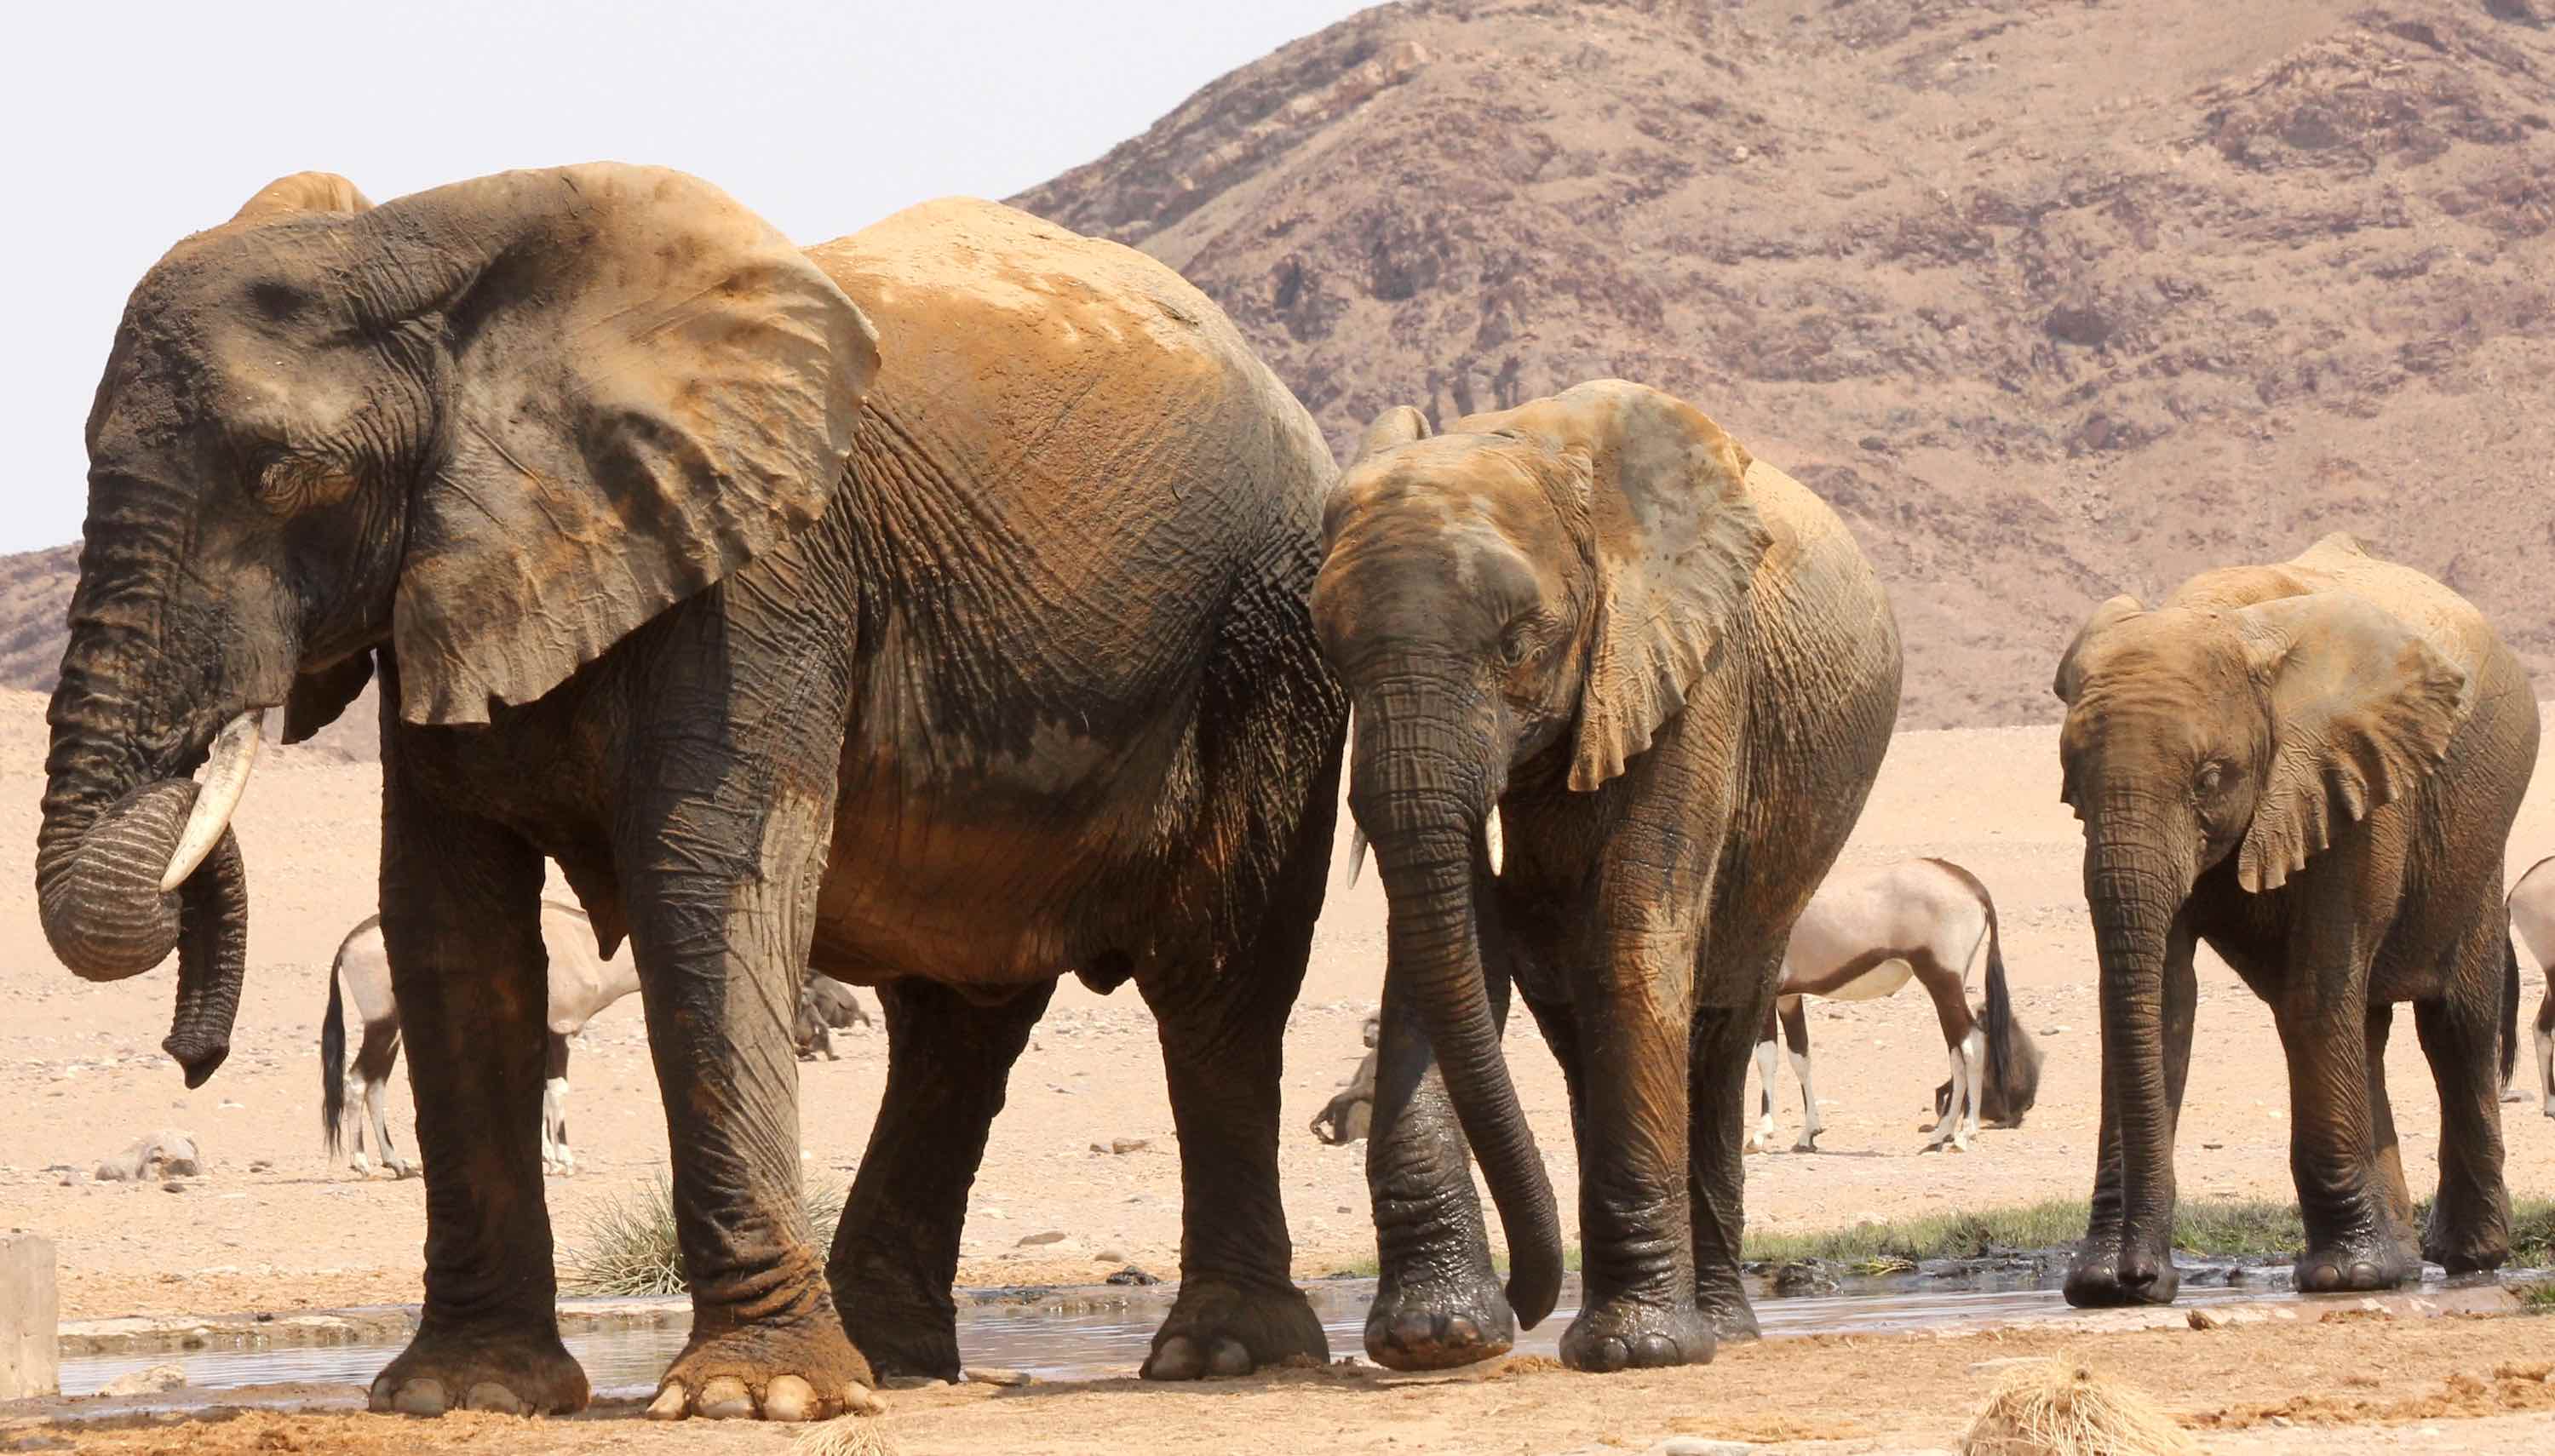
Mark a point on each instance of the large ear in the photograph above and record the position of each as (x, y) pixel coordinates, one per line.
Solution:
(2075, 661)
(649, 386)
(1398, 425)
(302, 192)
(2362, 707)
(1677, 540)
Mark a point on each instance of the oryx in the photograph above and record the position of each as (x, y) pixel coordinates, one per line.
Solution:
(1868, 932)
(2532, 918)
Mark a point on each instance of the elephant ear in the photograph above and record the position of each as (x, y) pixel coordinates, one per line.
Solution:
(1677, 540)
(648, 387)
(2077, 662)
(2362, 707)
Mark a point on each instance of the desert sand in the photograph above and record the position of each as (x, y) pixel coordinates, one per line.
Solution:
(271, 1225)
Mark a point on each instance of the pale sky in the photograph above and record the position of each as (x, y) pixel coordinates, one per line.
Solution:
(134, 122)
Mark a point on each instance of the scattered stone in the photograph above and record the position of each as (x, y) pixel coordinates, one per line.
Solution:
(1123, 1146)
(1700, 1446)
(1109, 1255)
(1875, 444)
(1051, 1236)
(168, 1152)
(1803, 1276)
(173, 1187)
(989, 1375)
(2208, 1319)
(1130, 1274)
(146, 1382)
(915, 1383)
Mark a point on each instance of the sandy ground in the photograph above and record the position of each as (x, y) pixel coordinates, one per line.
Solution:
(271, 1226)
(2339, 1388)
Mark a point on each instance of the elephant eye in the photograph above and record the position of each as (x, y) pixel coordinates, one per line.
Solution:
(1515, 646)
(2207, 780)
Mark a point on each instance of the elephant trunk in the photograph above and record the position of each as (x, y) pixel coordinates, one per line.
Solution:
(1430, 839)
(131, 861)
(2135, 890)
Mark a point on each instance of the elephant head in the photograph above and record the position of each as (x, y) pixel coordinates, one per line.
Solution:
(2236, 739)
(1531, 593)
(493, 426)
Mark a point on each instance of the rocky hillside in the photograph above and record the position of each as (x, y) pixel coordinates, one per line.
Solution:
(2052, 300)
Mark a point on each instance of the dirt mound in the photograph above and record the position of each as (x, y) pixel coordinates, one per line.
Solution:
(2052, 301)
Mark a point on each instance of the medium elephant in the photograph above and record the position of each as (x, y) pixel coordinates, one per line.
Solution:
(2313, 766)
(946, 675)
(1619, 691)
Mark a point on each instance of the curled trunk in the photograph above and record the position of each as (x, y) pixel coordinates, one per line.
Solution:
(115, 815)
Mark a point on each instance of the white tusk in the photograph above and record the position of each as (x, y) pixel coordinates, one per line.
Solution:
(225, 776)
(1357, 835)
(1491, 833)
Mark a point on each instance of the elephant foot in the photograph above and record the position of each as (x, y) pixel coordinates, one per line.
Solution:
(1436, 1324)
(2463, 1250)
(2109, 1272)
(512, 1371)
(2352, 1269)
(1627, 1334)
(804, 1370)
(1727, 1310)
(901, 1339)
(1220, 1330)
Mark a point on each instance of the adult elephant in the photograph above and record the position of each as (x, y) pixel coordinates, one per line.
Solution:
(1008, 673)
(1620, 691)
(2313, 766)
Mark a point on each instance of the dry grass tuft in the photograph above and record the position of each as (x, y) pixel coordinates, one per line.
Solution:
(2061, 1407)
(861, 1433)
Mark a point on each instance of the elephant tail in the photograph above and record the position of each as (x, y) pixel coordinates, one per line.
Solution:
(333, 1058)
(2509, 1008)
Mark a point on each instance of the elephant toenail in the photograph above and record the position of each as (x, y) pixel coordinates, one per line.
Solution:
(862, 1401)
(1177, 1359)
(1654, 1350)
(419, 1398)
(726, 1397)
(1415, 1331)
(1230, 1359)
(1462, 1333)
(672, 1404)
(490, 1396)
(788, 1397)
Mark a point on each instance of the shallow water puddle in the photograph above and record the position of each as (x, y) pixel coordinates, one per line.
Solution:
(1084, 1343)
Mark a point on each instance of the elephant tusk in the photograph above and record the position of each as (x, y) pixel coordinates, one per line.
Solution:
(1357, 834)
(1492, 842)
(225, 777)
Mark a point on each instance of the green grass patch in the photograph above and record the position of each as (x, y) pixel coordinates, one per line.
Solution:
(2216, 1228)
(627, 1245)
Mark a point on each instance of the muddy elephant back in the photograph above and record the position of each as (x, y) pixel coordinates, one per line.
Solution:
(1814, 562)
(1074, 349)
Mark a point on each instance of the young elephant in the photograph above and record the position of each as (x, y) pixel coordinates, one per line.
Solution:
(2313, 766)
(1594, 631)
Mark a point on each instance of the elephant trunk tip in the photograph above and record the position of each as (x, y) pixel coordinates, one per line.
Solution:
(198, 1056)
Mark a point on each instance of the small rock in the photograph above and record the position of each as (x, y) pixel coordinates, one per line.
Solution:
(987, 1374)
(146, 1382)
(1699, 1446)
(2208, 1319)
(1130, 1274)
(173, 1187)
(1124, 1146)
(2055, 1032)
(915, 1383)
(168, 1152)
(1109, 1255)
(1875, 444)
(1051, 1236)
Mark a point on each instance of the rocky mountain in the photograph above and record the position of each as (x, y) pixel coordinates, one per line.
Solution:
(2053, 298)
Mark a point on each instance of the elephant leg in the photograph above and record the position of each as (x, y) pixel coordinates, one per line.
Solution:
(895, 1252)
(1223, 1041)
(2106, 1271)
(1797, 1039)
(720, 874)
(1715, 1178)
(2470, 1227)
(462, 915)
(1438, 1303)
(1639, 1211)
(2394, 1195)
(2324, 1035)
